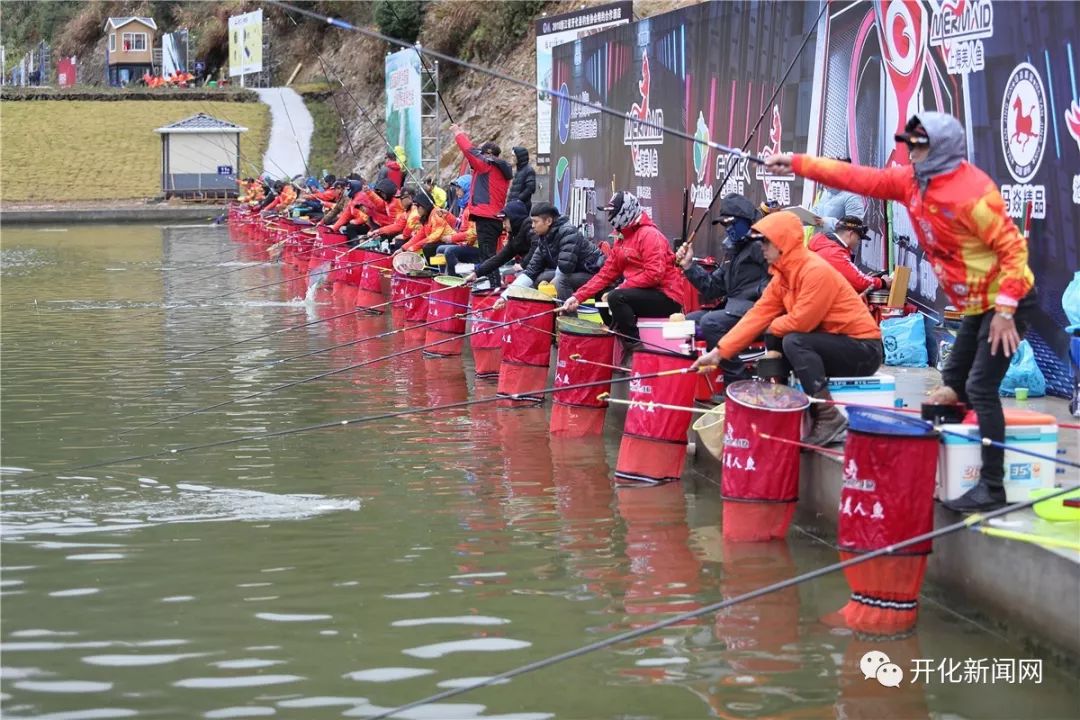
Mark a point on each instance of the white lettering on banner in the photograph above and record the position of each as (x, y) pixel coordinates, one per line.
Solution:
(740, 174)
(1076, 190)
(561, 363)
(851, 479)
(647, 163)
(731, 441)
(562, 379)
(701, 195)
(637, 386)
(1017, 198)
(845, 506)
(649, 407)
(644, 192)
(878, 512)
(777, 187)
(958, 29)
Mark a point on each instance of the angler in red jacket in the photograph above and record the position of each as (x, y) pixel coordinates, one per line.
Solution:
(980, 259)
(490, 183)
(652, 286)
(392, 170)
(838, 249)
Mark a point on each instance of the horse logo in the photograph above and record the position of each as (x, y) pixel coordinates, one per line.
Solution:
(1023, 120)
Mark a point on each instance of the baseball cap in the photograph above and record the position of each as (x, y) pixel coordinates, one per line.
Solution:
(914, 133)
(850, 222)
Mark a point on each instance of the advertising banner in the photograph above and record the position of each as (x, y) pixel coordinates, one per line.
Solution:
(1005, 70)
(245, 43)
(558, 29)
(174, 48)
(403, 122)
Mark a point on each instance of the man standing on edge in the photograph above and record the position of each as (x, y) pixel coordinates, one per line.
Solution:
(490, 182)
(979, 257)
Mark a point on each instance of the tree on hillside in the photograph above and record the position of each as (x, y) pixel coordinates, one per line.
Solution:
(400, 19)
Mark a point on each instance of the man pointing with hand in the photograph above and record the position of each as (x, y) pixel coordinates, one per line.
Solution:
(980, 259)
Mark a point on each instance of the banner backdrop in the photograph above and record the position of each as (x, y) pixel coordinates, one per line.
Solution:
(174, 52)
(709, 71)
(403, 104)
(245, 43)
(558, 29)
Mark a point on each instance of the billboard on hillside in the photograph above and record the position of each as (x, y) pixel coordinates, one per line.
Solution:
(245, 43)
(174, 52)
(403, 105)
(710, 70)
(558, 29)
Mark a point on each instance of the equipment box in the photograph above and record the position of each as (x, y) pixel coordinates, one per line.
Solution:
(960, 460)
(878, 390)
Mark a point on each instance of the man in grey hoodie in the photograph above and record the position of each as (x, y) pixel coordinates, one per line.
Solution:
(980, 259)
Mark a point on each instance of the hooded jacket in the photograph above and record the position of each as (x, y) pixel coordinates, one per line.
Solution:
(565, 249)
(642, 256)
(465, 183)
(805, 294)
(521, 243)
(524, 183)
(837, 254)
(743, 275)
(491, 179)
(979, 256)
(436, 228)
(391, 170)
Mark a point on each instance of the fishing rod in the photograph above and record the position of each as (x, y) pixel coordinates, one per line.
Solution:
(330, 373)
(289, 328)
(423, 62)
(363, 113)
(596, 106)
(757, 125)
(352, 421)
(966, 523)
(192, 302)
(241, 371)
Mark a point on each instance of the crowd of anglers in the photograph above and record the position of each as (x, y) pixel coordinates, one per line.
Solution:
(796, 291)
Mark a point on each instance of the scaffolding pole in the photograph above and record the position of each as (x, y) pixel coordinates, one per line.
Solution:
(431, 117)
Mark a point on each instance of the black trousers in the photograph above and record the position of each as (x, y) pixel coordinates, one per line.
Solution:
(352, 232)
(487, 240)
(975, 376)
(713, 325)
(814, 357)
(626, 305)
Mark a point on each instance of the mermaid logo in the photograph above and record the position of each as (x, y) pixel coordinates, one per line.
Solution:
(562, 184)
(701, 147)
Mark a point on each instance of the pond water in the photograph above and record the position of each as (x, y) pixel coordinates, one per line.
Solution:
(344, 571)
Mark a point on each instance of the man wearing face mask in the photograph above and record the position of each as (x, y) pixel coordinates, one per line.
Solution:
(739, 280)
(980, 259)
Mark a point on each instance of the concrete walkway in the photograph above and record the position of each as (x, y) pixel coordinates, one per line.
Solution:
(290, 133)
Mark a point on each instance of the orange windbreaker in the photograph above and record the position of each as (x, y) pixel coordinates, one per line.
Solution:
(805, 294)
(437, 228)
(979, 256)
(354, 213)
(382, 212)
(400, 224)
(286, 198)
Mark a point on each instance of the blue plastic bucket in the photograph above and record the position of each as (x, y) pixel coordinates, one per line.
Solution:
(886, 422)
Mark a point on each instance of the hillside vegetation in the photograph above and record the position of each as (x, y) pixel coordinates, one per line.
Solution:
(57, 150)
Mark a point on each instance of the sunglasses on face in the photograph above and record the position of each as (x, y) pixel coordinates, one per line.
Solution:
(726, 221)
(913, 141)
(755, 236)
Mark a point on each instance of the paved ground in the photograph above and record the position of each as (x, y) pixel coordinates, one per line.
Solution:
(290, 132)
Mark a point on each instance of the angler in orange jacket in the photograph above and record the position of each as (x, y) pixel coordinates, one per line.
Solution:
(353, 220)
(980, 259)
(436, 228)
(810, 313)
(285, 198)
(405, 219)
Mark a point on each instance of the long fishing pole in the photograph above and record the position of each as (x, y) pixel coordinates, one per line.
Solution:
(757, 125)
(299, 326)
(964, 524)
(329, 373)
(354, 421)
(423, 62)
(596, 106)
(363, 113)
(310, 353)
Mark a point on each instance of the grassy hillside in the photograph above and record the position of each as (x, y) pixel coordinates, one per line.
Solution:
(92, 150)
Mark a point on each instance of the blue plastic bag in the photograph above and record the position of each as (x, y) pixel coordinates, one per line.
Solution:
(905, 341)
(1070, 302)
(1024, 372)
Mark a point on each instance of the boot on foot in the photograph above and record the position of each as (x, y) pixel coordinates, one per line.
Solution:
(981, 498)
(829, 423)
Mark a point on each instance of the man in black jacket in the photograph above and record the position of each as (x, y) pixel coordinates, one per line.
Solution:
(563, 255)
(740, 279)
(520, 243)
(523, 185)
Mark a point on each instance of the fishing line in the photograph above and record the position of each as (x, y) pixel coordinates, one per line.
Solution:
(264, 263)
(337, 22)
(241, 371)
(350, 421)
(423, 62)
(964, 524)
(304, 325)
(329, 373)
(363, 113)
(757, 125)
